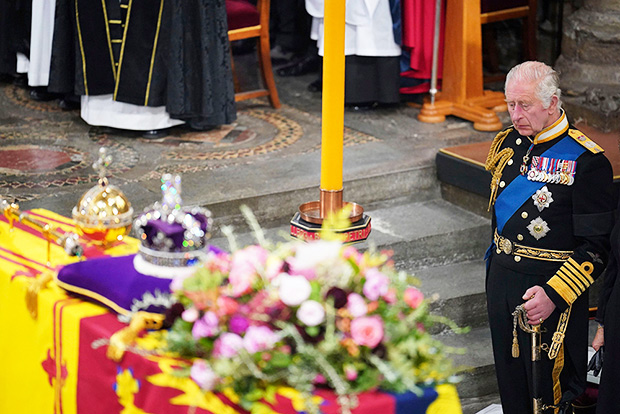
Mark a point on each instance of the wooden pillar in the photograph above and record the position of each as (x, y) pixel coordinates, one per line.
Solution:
(462, 93)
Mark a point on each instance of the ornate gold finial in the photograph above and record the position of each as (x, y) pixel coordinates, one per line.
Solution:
(101, 166)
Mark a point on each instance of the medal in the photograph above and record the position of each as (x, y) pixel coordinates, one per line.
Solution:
(542, 198)
(538, 228)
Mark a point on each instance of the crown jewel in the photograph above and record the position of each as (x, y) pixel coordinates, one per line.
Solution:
(103, 214)
(172, 235)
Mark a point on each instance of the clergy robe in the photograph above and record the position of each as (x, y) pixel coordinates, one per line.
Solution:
(167, 53)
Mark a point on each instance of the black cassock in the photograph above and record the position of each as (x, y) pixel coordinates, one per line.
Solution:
(609, 315)
(172, 53)
(14, 33)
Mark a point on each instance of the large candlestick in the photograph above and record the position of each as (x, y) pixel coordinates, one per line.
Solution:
(306, 223)
(333, 96)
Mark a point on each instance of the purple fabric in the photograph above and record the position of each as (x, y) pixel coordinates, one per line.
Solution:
(174, 231)
(114, 278)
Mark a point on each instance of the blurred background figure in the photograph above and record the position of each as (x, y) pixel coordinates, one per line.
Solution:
(15, 40)
(290, 31)
(167, 65)
(372, 50)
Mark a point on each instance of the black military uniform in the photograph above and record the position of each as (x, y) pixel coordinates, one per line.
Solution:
(553, 212)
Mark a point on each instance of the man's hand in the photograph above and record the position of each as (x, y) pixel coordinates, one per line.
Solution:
(599, 338)
(538, 305)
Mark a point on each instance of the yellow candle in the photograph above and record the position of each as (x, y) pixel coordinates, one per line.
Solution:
(333, 96)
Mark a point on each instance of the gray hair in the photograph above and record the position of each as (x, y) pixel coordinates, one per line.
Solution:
(547, 80)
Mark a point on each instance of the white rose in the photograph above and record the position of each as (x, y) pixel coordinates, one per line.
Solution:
(311, 313)
(294, 289)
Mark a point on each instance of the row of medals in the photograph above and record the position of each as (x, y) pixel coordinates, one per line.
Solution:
(536, 174)
(552, 178)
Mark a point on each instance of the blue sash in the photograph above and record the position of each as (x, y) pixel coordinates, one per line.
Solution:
(521, 189)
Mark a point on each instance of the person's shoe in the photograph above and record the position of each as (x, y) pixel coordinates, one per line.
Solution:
(300, 67)
(316, 86)
(40, 93)
(279, 54)
(155, 134)
(69, 103)
(21, 80)
(362, 106)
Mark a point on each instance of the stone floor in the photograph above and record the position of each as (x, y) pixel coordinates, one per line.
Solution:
(46, 154)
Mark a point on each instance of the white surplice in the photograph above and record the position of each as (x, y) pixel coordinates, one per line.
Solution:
(41, 36)
(368, 27)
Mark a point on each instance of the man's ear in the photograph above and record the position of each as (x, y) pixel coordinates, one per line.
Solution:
(553, 106)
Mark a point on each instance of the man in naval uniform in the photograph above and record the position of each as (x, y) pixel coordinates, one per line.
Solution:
(553, 202)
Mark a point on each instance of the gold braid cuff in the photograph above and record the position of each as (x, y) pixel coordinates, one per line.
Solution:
(496, 162)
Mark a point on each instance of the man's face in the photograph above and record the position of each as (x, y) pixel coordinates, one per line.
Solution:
(526, 111)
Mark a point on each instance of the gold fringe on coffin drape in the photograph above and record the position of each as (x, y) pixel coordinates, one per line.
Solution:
(32, 293)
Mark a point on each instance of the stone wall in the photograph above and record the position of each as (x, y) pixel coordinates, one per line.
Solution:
(589, 64)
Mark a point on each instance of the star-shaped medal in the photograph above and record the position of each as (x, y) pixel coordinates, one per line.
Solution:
(542, 198)
(538, 228)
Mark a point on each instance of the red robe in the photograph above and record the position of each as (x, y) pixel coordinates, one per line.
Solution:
(418, 22)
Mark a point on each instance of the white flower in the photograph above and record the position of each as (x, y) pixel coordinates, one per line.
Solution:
(294, 289)
(314, 255)
(311, 313)
(190, 314)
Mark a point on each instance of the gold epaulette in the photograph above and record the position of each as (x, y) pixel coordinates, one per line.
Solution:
(496, 161)
(581, 138)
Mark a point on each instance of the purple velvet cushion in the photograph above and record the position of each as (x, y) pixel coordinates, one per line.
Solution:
(241, 13)
(487, 6)
(113, 282)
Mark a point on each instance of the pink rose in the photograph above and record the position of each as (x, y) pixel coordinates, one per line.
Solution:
(350, 252)
(227, 345)
(356, 305)
(259, 338)
(207, 326)
(203, 375)
(246, 265)
(376, 284)
(413, 297)
(319, 379)
(367, 331)
(226, 305)
(350, 373)
(390, 296)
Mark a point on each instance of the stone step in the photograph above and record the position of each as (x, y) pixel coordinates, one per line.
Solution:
(421, 233)
(478, 386)
(460, 291)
